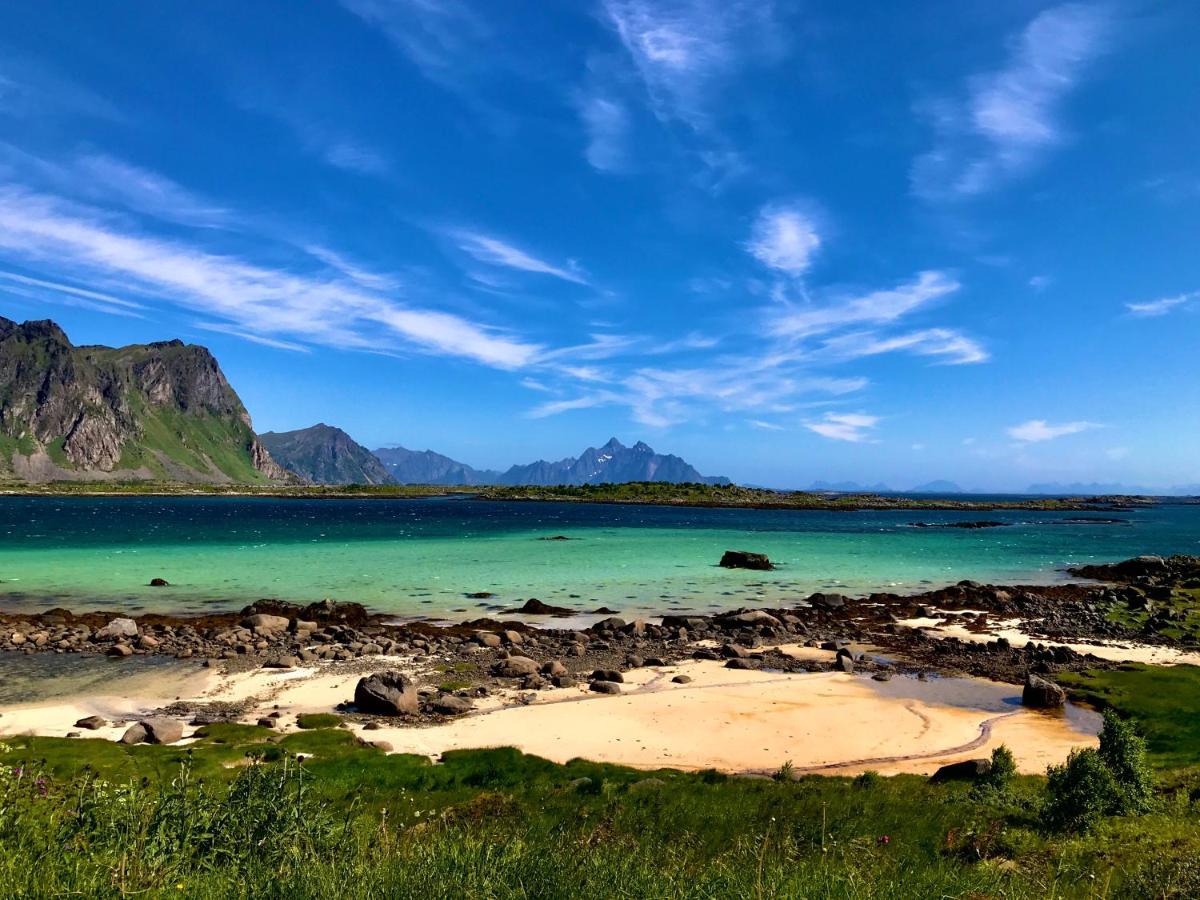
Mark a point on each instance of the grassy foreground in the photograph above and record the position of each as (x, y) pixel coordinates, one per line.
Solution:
(238, 814)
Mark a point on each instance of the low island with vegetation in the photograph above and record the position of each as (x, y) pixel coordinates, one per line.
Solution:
(649, 493)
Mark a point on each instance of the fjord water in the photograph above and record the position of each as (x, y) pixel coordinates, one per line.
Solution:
(423, 557)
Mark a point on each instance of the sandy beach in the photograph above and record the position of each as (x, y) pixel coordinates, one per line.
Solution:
(731, 720)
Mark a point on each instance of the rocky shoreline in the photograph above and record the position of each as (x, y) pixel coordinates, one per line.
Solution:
(470, 659)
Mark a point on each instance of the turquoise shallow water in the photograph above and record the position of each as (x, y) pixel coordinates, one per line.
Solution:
(421, 557)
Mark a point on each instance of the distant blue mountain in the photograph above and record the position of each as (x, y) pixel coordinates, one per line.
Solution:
(613, 462)
(849, 487)
(940, 486)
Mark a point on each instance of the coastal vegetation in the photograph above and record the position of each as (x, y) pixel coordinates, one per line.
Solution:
(245, 811)
(732, 495)
(650, 493)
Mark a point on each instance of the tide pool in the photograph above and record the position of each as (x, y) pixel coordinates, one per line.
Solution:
(423, 557)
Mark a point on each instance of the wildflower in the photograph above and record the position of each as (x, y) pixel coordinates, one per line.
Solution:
(883, 840)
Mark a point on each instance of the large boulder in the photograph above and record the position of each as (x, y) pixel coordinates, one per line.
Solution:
(388, 693)
(744, 559)
(117, 629)
(266, 622)
(753, 617)
(134, 734)
(516, 667)
(162, 731)
(450, 705)
(1041, 693)
(966, 770)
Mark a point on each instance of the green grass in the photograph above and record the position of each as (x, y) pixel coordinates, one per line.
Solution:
(318, 720)
(499, 823)
(1164, 700)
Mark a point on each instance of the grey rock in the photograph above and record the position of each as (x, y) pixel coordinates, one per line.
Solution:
(265, 622)
(91, 723)
(1040, 693)
(162, 730)
(516, 667)
(450, 705)
(117, 628)
(605, 687)
(388, 693)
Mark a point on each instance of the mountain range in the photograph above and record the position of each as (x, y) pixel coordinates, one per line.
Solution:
(146, 411)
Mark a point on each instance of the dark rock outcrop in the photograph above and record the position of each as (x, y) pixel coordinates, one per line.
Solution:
(967, 770)
(1039, 693)
(745, 559)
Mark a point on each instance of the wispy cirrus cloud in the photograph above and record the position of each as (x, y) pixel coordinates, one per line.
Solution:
(1163, 306)
(100, 178)
(433, 34)
(682, 48)
(852, 427)
(784, 238)
(1038, 430)
(945, 344)
(881, 307)
(1010, 117)
(607, 125)
(496, 252)
(268, 302)
(41, 290)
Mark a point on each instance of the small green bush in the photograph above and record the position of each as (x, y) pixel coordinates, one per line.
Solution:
(997, 781)
(1079, 793)
(867, 780)
(1124, 753)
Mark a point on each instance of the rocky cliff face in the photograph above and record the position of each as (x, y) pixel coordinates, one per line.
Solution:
(161, 410)
(326, 455)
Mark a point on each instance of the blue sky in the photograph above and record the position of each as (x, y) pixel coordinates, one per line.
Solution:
(787, 240)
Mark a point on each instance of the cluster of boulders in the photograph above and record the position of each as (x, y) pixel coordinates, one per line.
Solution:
(1147, 571)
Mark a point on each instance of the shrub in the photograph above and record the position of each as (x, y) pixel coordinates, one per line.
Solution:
(868, 780)
(1123, 751)
(997, 781)
(1079, 793)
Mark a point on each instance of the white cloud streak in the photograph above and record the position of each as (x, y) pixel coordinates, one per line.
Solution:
(1155, 308)
(875, 308)
(268, 302)
(852, 427)
(492, 250)
(1010, 118)
(1038, 430)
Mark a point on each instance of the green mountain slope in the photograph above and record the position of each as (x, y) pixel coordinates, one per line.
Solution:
(325, 455)
(153, 411)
